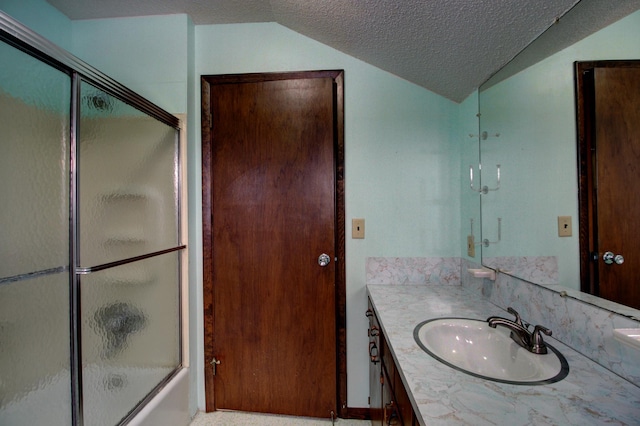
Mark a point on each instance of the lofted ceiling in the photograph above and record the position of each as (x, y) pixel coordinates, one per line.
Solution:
(447, 46)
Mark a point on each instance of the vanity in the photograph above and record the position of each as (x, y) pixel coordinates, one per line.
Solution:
(421, 390)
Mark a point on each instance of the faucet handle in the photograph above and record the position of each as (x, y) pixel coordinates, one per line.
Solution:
(538, 328)
(517, 315)
(538, 345)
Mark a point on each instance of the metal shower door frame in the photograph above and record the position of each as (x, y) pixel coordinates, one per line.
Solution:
(19, 36)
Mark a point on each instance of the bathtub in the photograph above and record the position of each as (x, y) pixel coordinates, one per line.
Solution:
(49, 404)
(170, 407)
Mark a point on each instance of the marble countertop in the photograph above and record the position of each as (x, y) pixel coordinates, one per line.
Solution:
(589, 395)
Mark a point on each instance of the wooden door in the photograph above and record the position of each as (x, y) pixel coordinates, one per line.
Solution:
(613, 113)
(273, 209)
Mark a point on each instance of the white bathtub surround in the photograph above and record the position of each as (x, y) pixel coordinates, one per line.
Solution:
(413, 270)
(170, 407)
(589, 395)
(232, 418)
(583, 326)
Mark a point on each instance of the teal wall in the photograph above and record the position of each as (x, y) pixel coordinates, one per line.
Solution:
(402, 142)
(148, 54)
(42, 18)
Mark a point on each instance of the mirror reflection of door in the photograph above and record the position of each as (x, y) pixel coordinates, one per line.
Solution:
(608, 114)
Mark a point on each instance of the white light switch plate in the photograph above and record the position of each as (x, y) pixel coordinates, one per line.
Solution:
(357, 228)
(564, 226)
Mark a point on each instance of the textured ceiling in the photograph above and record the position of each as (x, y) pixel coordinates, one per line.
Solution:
(447, 46)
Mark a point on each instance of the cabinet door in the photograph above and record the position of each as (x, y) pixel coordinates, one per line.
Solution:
(391, 415)
(388, 401)
(402, 401)
(375, 370)
(375, 393)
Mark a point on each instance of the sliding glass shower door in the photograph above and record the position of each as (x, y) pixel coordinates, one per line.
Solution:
(90, 248)
(127, 216)
(35, 373)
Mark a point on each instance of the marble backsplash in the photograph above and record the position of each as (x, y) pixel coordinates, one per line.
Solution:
(581, 325)
(413, 270)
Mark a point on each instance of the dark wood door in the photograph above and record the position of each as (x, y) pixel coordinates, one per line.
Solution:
(613, 107)
(273, 210)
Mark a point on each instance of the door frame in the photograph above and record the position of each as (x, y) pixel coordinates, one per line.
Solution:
(586, 203)
(207, 204)
(587, 196)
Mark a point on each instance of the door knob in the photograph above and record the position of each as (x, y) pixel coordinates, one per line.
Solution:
(324, 259)
(610, 258)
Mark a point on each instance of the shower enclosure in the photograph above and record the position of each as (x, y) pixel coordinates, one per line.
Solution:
(90, 244)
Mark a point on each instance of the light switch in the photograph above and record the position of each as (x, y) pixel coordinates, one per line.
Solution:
(564, 226)
(471, 246)
(357, 228)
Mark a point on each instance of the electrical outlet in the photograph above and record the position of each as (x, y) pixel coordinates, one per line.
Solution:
(357, 228)
(471, 246)
(564, 226)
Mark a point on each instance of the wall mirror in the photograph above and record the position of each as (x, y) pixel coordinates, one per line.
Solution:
(528, 147)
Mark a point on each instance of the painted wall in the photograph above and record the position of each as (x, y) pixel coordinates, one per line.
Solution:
(148, 54)
(42, 18)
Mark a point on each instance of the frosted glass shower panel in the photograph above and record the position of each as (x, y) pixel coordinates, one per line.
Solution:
(34, 352)
(128, 181)
(34, 165)
(130, 335)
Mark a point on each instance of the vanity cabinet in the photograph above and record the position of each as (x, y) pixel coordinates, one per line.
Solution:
(388, 399)
(376, 375)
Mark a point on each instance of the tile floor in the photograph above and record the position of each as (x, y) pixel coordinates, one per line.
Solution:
(235, 418)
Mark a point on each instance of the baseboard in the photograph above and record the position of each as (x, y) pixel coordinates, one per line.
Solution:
(358, 413)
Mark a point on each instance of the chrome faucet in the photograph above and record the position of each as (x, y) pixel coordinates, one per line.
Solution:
(520, 333)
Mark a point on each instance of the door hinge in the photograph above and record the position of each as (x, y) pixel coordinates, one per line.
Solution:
(210, 120)
(214, 363)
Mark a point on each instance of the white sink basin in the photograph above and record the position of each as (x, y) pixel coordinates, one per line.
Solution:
(475, 348)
